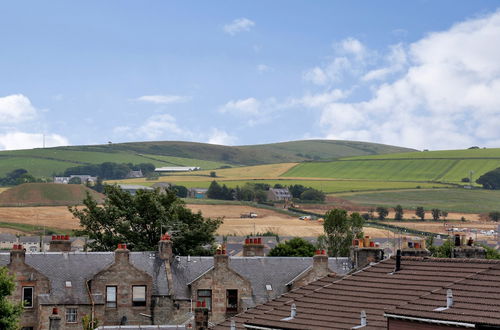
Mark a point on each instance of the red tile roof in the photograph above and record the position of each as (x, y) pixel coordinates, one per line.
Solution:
(333, 303)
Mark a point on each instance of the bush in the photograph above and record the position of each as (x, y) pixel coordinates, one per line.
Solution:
(382, 212)
(313, 195)
(494, 216)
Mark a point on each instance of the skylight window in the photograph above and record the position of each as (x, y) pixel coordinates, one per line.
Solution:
(269, 287)
(68, 284)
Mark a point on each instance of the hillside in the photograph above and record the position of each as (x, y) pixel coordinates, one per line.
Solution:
(37, 194)
(443, 166)
(46, 162)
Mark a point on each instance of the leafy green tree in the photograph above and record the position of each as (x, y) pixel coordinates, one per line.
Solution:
(296, 190)
(139, 220)
(398, 212)
(180, 191)
(75, 180)
(382, 212)
(296, 247)
(10, 313)
(214, 190)
(213, 174)
(491, 253)
(494, 216)
(340, 228)
(490, 180)
(436, 214)
(444, 214)
(313, 195)
(443, 251)
(420, 212)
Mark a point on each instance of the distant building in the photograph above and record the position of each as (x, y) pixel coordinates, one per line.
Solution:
(133, 188)
(278, 194)
(83, 177)
(163, 186)
(134, 174)
(197, 192)
(177, 169)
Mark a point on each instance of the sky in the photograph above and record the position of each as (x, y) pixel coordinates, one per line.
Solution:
(419, 73)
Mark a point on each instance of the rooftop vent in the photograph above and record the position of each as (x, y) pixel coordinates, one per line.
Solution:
(363, 321)
(293, 313)
(449, 302)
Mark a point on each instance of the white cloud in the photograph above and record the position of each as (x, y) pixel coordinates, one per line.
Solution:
(162, 126)
(264, 68)
(239, 25)
(446, 94)
(221, 137)
(21, 140)
(15, 109)
(351, 59)
(163, 99)
(249, 106)
(320, 99)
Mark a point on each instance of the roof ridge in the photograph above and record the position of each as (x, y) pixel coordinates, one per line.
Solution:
(450, 260)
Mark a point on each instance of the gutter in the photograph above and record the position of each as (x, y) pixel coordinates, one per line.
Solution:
(433, 321)
(92, 309)
(248, 326)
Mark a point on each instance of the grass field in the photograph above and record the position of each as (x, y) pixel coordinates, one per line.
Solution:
(445, 170)
(462, 153)
(458, 200)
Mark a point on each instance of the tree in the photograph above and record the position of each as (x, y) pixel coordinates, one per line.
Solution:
(444, 214)
(494, 216)
(382, 212)
(313, 195)
(420, 212)
(75, 180)
(340, 229)
(213, 174)
(296, 247)
(139, 220)
(214, 190)
(436, 214)
(10, 313)
(490, 180)
(398, 212)
(296, 190)
(180, 191)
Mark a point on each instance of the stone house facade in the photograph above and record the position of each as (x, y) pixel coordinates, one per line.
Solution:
(134, 288)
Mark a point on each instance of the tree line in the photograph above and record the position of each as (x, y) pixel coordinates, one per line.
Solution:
(110, 170)
(382, 212)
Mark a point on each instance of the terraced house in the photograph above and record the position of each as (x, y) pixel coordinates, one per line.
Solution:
(141, 288)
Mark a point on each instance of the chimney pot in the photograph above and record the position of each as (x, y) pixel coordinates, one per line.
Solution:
(317, 252)
(67, 237)
(124, 246)
(54, 237)
(449, 298)
(323, 252)
(55, 311)
(260, 240)
(372, 244)
(203, 304)
(247, 240)
(198, 303)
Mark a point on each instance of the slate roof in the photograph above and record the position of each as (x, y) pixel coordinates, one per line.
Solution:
(333, 303)
(260, 271)
(79, 267)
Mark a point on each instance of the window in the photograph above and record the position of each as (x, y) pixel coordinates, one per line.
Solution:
(206, 296)
(231, 301)
(71, 315)
(139, 295)
(111, 296)
(28, 296)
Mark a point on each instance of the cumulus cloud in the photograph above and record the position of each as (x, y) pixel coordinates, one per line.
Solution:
(161, 126)
(163, 99)
(350, 60)
(15, 109)
(221, 137)
(21, 140)
(446, 95)
(249, 106)
(239, 25)
(264, 68)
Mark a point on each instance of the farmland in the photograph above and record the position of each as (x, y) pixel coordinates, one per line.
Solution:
(458, 200)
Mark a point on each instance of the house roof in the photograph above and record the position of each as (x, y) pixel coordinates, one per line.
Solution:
(260, 271)
(78, 267)
(335, 303)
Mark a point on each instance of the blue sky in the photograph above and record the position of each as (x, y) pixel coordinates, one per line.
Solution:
(421, 74)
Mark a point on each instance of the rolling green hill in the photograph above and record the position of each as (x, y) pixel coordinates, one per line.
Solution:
(443, 166)
(47, 161)
(37, 194)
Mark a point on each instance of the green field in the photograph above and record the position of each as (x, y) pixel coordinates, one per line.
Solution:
(416, 166)
(457, 200)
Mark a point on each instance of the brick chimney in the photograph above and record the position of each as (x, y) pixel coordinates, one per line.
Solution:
(320, 262)
(54, 320)
(364, 251)
(253, 247)
(165, 248)
(466, 248)
(221, 260)
(415, 248)
(201, 316)
(60, 243)
(122, 254)
(17, 254)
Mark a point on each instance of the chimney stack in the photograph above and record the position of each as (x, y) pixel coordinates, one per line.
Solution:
(415, 248)
(122, 254)
(17, 254)
(467, 249)
(398, 261)
(253, 247)
(54, 320)
(201, 316)
(60, 243)
(320, 262)
(221, 260)
(364, 252)
(165, 248)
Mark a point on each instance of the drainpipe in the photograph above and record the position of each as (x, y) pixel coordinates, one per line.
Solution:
(92, 310)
